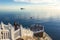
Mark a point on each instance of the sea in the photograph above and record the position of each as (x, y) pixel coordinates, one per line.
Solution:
(52, 26)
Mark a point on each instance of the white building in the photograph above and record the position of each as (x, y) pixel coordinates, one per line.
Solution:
(8, 32)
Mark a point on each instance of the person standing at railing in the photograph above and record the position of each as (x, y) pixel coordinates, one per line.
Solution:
(16, 26)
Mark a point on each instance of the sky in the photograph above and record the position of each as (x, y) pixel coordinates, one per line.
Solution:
(48, 7)
(4, 4)
(30, 1)
(19, 3)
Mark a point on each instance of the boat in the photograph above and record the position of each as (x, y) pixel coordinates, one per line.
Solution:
(21, 8)
(18, 32)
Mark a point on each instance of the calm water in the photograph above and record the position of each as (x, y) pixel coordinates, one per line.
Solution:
(51, 27)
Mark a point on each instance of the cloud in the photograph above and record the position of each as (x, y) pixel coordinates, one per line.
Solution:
(43, 2)
(21, 0)
(36, 1)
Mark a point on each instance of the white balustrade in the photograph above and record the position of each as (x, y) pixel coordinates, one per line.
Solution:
(17, 34)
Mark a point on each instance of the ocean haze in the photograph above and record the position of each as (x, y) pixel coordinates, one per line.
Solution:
(36, 13)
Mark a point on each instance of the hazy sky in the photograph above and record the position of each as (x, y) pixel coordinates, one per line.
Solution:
(50, 8)
(15, 4)
(30, 1)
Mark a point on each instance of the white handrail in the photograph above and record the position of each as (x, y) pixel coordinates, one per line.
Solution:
(17, 33)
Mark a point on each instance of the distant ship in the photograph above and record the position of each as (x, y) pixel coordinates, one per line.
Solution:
(21, 8)
(17, 32)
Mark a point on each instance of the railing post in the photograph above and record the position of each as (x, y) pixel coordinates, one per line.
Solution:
(12, 34)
